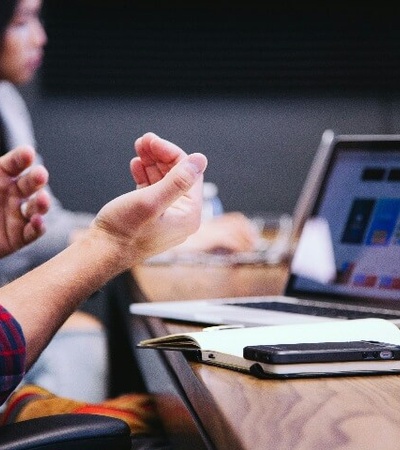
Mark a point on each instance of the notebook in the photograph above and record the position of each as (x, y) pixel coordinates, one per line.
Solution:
(230, 348)
(346, 264)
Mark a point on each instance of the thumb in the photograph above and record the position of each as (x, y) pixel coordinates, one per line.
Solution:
(182, 179)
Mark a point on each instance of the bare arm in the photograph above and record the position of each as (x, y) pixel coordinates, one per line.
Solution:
(126, 231)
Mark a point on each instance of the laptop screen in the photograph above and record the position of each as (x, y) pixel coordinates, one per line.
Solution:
(358, 211)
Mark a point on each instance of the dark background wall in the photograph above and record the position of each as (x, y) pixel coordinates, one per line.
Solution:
(253, 89)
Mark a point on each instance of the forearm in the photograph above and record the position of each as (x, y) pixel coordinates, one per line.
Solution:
(44, 298)
(56, 238)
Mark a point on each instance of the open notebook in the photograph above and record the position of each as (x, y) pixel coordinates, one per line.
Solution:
(226, 347)
(347, 260)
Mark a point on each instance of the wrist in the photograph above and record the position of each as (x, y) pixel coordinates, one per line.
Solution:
(103, 251)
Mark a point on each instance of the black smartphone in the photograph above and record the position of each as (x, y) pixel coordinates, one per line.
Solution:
(322, 352)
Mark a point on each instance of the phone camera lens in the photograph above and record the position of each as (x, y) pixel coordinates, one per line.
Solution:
(386, 354)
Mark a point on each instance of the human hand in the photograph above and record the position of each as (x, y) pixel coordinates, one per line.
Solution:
(155, 159)
(165, 209)
(23, 201)
(230, 232)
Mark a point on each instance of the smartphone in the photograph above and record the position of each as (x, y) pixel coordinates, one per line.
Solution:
(322, 352)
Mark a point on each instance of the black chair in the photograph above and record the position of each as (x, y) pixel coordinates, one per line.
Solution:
(67, 432)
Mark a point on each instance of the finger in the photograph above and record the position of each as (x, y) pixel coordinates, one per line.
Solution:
(181, 180)
(165, 151)
(17, 160)
(138, 172)
(142, 143)
(150, 171)
(152, 148)
(32, 181)
(38, 204)
(157, 156)
(34, 229)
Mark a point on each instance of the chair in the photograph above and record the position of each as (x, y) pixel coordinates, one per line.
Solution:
(67, 432)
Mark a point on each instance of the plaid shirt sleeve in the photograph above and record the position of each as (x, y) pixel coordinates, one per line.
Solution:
(12, 354)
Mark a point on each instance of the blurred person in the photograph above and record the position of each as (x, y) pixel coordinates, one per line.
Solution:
(22, 39)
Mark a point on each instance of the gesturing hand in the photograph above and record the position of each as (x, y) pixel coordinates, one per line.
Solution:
(167, 207)
(23, 200)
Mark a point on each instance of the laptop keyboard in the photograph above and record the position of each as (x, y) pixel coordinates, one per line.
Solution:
(317, 310)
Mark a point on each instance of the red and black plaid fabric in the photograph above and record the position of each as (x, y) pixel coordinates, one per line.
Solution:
(12, 354)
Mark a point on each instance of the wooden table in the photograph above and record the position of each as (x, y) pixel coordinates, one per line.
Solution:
(205, 407)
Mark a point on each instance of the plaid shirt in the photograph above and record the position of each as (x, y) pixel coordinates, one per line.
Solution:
(12, 354)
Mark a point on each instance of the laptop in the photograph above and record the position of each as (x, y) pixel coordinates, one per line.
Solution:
(346, 263)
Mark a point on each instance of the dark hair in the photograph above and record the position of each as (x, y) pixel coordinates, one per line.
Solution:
(7, 8)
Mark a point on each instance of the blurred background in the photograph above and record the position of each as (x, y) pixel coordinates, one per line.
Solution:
(253, 87)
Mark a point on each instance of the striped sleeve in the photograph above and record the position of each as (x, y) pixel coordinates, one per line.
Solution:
(12, 354)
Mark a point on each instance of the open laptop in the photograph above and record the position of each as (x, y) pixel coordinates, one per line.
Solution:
(347, 260)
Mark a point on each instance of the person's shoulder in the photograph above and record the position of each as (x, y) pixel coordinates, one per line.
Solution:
(15, 116)
(11, 100)
(8, 91)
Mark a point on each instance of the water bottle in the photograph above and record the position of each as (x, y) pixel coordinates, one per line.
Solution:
(212, 205)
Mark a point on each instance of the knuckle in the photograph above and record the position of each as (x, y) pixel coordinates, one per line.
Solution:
(183, 182)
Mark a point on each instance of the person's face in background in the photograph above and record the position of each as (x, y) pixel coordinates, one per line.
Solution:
(22, 47)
